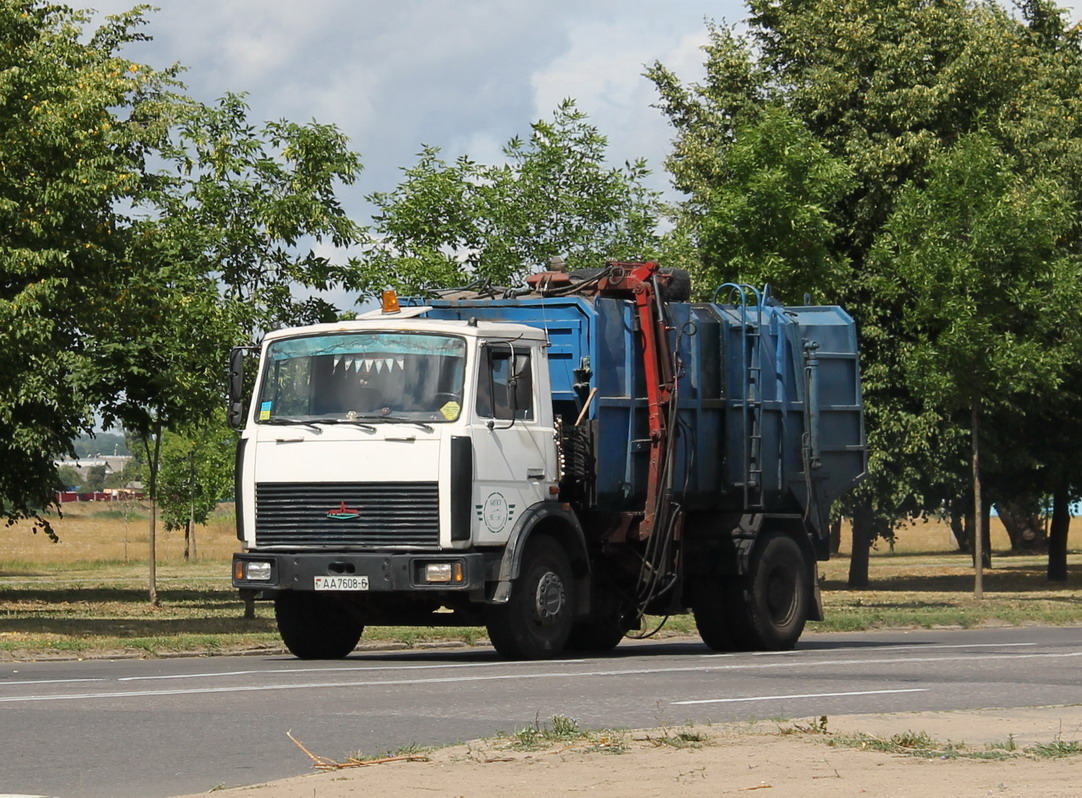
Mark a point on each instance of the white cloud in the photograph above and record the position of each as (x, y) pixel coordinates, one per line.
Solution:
(462, 76)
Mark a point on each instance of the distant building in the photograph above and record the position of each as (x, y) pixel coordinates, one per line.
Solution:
(113, 465)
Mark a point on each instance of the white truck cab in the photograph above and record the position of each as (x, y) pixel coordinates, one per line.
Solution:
(389, 463)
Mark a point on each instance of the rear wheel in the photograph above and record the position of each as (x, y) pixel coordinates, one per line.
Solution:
(315, 626)
(535, 622)
(769, 607)
(710, 608)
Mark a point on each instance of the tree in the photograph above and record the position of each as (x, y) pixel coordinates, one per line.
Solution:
(453, 224)
(68, 477)
(977, 250)
(195, 473)
(769, 219)
(249, 204)
(77, 123)
(886, 89)
(142, 235)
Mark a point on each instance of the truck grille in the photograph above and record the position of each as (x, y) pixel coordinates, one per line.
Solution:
(347, 514)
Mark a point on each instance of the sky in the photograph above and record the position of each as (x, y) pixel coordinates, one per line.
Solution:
(464, 76)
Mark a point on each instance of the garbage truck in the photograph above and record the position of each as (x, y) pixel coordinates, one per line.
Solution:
(560, 464)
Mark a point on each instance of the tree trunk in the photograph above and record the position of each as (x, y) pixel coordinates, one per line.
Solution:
(835, 535)
(959, 523)
(153, 577)
(978, 533)
(986, 530)
(863, 535)
(1057, 536)
(1023, 524)
(189, 534)
(189, 530)
(153, 455)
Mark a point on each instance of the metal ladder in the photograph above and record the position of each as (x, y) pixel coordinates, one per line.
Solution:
(751, 406)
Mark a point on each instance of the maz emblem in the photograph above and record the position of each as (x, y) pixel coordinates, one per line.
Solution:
(343, 513)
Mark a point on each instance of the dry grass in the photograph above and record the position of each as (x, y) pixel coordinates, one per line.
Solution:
(95, 532)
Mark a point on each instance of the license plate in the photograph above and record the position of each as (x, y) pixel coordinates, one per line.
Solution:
(341, 583)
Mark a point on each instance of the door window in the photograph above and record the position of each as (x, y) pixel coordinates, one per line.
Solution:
(505, 384)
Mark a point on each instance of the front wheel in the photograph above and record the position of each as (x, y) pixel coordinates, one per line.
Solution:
(314, 626)
(535, 621)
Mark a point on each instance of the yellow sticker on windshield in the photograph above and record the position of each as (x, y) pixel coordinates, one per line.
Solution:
(451, 410)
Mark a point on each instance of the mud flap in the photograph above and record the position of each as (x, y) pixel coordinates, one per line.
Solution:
(815, 611)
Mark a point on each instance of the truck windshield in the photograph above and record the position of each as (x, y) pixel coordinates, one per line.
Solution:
(363, 376)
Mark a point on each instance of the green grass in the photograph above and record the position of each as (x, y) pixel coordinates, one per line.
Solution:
(563, 732)
(924, 746)
(87, 596)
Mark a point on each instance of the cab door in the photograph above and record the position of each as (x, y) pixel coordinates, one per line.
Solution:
(514, 451)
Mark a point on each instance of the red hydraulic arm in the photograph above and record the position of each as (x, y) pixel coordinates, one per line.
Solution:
(641, 281)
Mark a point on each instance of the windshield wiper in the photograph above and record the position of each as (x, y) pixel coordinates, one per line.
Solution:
(315, 422)
(282, 421)
(399, 420)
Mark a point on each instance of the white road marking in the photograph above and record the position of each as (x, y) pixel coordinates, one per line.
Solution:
(357, 669)
(887, 647)
(758, 666)
(47, 681)
(799, 695)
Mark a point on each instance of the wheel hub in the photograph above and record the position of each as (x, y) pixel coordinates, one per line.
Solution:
(549, 599)
(781, 596)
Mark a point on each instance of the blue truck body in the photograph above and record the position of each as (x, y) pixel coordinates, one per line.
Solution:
(769, 410)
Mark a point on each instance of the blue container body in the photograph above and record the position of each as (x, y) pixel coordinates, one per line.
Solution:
(769, 416)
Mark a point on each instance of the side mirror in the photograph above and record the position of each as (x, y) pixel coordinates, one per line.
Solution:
(235, 412)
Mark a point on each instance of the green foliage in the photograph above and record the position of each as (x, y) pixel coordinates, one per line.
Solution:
(454, 224)
(100, 443)
(920, 163)
(565, 732)
(977, 249)
(77, 122)
(68, 478)
(923, 745)
(141, 235)
(770, 217)
(195, 473)
(248, 205)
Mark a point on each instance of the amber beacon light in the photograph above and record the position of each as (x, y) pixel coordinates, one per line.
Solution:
(390, 302)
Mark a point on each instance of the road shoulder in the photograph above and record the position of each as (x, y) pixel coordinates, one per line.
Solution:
(1001, 751)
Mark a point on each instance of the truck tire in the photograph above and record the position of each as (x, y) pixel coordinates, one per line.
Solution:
(677, 289)
(769, 606)
(608, 622)
(314, 626)
(535, 622)
(710, 607)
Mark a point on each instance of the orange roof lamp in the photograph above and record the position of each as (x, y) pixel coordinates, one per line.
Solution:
(390, 302)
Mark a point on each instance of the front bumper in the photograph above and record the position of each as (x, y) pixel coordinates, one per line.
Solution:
(402, 573)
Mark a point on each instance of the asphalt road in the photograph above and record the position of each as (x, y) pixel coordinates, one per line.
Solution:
(151, 728)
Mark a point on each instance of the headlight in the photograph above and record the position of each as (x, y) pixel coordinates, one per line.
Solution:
(444, 572)
(253, 571)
